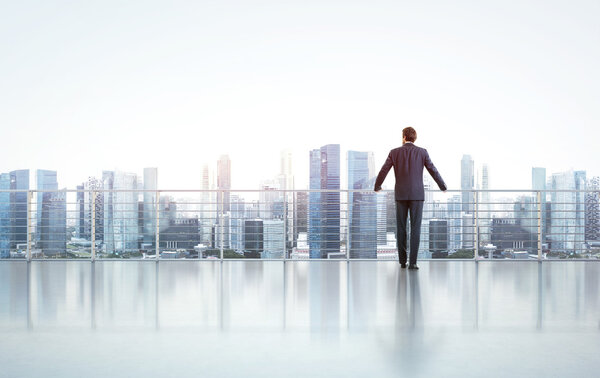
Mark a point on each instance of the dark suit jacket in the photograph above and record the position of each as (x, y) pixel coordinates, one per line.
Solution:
(408, 162)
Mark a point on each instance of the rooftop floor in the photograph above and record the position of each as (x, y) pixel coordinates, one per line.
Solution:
(301, 318)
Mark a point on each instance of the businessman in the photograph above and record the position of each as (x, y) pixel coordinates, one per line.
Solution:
(408, 162)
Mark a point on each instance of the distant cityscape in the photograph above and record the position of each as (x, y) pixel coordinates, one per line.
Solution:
(122, 215)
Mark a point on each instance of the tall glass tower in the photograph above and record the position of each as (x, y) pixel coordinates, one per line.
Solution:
(592, 210)
(45, 183)
(362, 207)
(19, 180)
(467, 183)
(4, 216)
(224, 182)
(120, 212)
(324, 222)
(567, 230)
(150, 187)
(538, 182)
(314, 206)
(53, 224)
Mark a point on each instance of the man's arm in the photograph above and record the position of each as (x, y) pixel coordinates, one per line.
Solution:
(434, 172)
(383, 172)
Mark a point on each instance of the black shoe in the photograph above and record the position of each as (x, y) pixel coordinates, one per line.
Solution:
(402, 265)
(415, 267)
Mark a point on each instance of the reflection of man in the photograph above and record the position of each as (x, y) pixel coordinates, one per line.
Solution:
(408, 162)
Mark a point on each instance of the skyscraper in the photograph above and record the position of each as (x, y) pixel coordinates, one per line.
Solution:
(253, 238)
(324, 208)
(120, 212)
(362, 211)
(484, 205)
(526, 212)
(538, 182)
(300, 215)
(208, 208)
(53, 224)
(592, 210)
(149, 212)
(538, 178)
(286, 182)
(438, 238)
(236, 223)
(567, 230)
(19, 180)
(314, 206)
(224, 183)
(455, 222)
(80, 228)
(5, 228)
(330, 210)
(223, 200)
(93, 199)
(45, 183)
(467, 183)
(269, 195)
(51, 214)
(381, 219)
(273, 246)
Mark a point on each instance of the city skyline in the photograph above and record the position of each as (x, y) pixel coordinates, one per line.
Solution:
(478, 176)
(335, 225)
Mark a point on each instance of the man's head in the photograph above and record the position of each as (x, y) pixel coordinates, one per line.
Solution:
(409, 135)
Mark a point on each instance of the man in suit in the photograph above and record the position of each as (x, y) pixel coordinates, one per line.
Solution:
(408, 162)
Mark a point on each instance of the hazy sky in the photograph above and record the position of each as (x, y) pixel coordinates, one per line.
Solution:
(87, 86)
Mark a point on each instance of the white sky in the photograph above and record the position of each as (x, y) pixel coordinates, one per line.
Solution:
(87, 86)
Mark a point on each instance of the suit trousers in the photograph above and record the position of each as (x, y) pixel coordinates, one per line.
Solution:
(403, 208)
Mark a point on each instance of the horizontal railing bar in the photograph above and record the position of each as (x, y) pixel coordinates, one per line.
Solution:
(290, 191)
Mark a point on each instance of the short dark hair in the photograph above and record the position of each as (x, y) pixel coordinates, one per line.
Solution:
(410, 134)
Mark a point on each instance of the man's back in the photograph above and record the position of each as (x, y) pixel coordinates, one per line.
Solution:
(408, 162)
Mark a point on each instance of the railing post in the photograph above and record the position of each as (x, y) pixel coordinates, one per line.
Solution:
(476, 228)
(157, 225)
(93, 232)
(539, 216)
(221, 222)
(29, 198)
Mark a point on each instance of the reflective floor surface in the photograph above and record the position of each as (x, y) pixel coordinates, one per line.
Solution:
(300, 318)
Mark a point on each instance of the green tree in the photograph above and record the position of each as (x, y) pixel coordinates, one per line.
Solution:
(462, 254)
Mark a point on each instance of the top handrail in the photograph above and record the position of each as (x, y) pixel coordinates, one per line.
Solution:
(292, 190)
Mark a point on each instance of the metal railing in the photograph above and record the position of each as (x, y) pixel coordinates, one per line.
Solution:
(294, 224)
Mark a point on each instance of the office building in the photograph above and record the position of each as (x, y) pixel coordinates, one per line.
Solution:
(19, 180)
(273, 239)
(5, 222)
(538, 183)
(253, 238)
(46, 182)
(567, 228)
(592, 210)
(53, 223)
(455, 219)
(467, 183)
(120, 212)
(223, 183)
(362, 206)
(438, 238)
(149, 206)
(324, 207)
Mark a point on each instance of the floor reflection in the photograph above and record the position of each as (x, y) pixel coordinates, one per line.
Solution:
(298, 318)
(320, 297)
